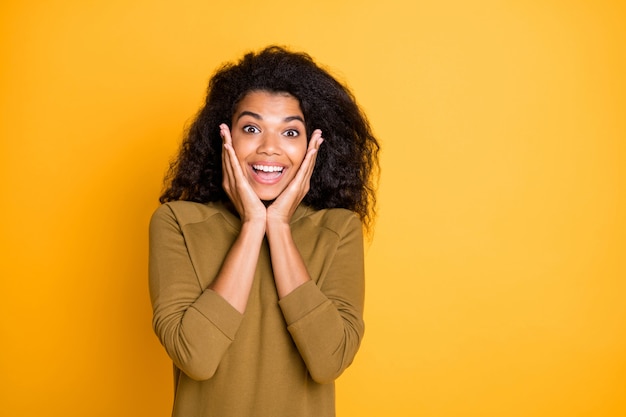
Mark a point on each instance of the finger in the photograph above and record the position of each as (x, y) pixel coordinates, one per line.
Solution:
(238, 181)
(313, 147)
(308, 164)
(232, 163)
(228, 145)
(231, 181)
(227, 169)
(225, 133)
(316, 140)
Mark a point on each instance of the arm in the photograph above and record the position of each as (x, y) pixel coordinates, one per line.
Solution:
(195, 325)
(287, 264)
(325, 318)
(234, 281)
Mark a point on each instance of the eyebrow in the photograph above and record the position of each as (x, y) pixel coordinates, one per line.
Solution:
(259, 117)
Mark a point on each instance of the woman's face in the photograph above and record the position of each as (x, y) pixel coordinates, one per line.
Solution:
(270, 141)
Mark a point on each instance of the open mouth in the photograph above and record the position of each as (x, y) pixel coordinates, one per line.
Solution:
(268, 172)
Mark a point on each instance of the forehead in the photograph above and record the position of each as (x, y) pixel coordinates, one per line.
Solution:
(269, 102)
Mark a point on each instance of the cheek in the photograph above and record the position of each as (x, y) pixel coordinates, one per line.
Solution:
(298, 152)
(239, 146)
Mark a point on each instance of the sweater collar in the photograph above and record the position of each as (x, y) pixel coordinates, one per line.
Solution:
(232, 217)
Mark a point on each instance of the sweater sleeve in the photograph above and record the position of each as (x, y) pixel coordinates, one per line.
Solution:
(325, 319)
(196, 326)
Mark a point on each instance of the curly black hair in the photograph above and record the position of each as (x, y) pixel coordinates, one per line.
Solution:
(346, 168)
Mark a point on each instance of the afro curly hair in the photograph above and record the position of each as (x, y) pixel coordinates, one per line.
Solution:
(346, 168)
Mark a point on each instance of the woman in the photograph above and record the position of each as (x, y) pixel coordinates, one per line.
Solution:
(256, 255)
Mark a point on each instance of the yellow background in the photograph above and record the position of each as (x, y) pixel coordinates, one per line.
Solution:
(496, 277)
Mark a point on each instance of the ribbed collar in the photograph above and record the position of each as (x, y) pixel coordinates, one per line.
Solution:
(232, 217)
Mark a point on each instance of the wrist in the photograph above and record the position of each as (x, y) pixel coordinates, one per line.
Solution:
(253, 225)
(277, 227)
(276, 221)
(276, 217)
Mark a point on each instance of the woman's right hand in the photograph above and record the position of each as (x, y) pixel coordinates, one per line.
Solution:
(247, 203)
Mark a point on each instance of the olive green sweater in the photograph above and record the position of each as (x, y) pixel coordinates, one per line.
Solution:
(279, 358)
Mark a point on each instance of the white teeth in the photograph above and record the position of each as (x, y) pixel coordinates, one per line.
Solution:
(267, 168)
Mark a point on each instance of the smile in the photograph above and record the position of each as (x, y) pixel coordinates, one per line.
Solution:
(267, 168)
(267, 174)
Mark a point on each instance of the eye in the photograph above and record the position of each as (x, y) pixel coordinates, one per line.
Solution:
(292, 133)
(251, 129)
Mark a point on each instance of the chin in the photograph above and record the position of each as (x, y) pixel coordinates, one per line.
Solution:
(267, 194)
(267, 198)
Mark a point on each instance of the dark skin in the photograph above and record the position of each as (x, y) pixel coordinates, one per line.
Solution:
(267, 127)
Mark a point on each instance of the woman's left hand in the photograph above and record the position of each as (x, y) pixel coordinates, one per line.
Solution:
(285, 205)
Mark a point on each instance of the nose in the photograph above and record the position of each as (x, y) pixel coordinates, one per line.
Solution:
(269, 144)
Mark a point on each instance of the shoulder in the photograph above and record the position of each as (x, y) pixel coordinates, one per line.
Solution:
(188, 212)
(337, 220)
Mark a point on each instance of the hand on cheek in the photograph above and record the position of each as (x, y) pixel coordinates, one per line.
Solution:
(236, 185)
(285, 205)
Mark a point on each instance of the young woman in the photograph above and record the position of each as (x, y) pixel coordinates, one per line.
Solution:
(256, 254)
